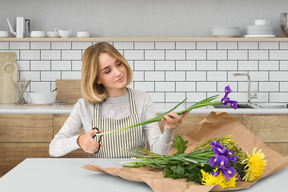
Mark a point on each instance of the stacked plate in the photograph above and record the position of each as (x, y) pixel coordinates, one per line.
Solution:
(225, 31)
(260, 31)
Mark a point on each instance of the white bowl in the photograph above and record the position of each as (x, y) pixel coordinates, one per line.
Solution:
(37, 34)
(272, 105)
(226, 31)
(43, 98)
(51, 34)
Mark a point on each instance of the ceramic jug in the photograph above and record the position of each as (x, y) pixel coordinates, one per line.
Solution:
(20, 27)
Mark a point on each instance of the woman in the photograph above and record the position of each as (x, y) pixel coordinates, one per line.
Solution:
(109, 104)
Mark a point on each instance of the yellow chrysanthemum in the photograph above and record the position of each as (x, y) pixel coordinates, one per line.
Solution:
(255, 165)
(209, 179)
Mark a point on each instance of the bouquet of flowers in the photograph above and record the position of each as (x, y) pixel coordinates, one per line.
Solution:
(219, 161)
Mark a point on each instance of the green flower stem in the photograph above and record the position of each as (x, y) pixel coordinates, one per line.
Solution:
(202, 103)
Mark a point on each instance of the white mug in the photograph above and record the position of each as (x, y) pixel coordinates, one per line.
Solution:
(82, 34)
(63, 33)
(4, 34)
(262, 22)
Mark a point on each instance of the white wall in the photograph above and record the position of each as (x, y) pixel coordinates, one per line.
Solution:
(142, 18)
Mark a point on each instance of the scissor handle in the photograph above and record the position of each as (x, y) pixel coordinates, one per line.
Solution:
(98, 140)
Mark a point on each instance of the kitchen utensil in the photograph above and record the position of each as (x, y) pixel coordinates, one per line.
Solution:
(8, 74)
(54, 90)
(51, 34)
(68, 90)
(63, 33)
(20, 27)
(226, 31)
(284, 23)
(4, 34)
(20, 90)
(43, 98)
(82, 34)
(259, 36)
(38, 34)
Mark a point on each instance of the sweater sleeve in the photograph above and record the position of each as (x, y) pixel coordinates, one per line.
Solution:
(159, 143)
(65, 140)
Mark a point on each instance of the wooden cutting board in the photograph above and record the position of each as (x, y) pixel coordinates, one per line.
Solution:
(68, 90)
(8, 74)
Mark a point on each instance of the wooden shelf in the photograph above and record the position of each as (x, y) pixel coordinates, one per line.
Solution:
(147, 39)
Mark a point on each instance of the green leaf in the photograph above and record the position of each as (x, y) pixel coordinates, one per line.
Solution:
(180, 145)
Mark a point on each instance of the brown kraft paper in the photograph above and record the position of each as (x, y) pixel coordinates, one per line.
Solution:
(216, 124)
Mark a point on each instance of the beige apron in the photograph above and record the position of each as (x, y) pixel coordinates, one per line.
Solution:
(128, 139)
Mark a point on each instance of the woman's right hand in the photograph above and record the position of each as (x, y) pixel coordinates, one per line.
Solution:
(87, 143)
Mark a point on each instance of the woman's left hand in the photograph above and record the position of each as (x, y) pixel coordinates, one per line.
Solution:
(172, 120)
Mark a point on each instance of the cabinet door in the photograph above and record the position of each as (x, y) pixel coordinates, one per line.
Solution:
(26, 128)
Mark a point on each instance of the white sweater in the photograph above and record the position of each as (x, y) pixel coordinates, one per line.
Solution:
(65, 140)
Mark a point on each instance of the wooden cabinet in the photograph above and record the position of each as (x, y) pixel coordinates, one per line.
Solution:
(28, 136)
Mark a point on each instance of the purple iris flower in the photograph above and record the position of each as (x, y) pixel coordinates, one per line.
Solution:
(213, 160)
(222, 161)
(216, 173)
(229, 172)
(218, 148)
(225, 100)
(231, 157)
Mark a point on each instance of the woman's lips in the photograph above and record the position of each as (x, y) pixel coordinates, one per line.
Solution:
(120, 80)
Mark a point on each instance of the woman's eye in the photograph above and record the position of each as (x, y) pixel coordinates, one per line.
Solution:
(108, 71)
(118, 64)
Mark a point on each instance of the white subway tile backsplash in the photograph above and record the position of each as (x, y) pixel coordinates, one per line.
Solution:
(185, 86)
(165, 65)
(71, 75)
(138, 76)
(144, 45)
(258, 54)
(175, 55)
(278, 54)
(206, 86)
(196, 75)
(278, 97)
(61, 45)
(76, 65)
(206, 45)
(175, 76)
(167, 70)
(40, 65)
(216, 54)
(227, 45)
(237, 55)
(23, 65)
(269, 86)
(278, 76)
(40, 86)
(40, 45)
(81, 45)
(144, 86)
(50, 75)
(4, 45)
(30, 75)
(50, 54)
(134, 54)
(248, 65)
(216, 76)
(185, 65)
(206, 65)
(164, 45)
(164, 86)
(71, 55)
(123, 45)
(29, 54)
(196, 55)
(248, 45)
(144, 65)
(19, 45)
(154, 75)
(226, 65)
(175, 97)
(268, 65)
(269, 45)
(185, 45)
(61, 65)
(154, 54)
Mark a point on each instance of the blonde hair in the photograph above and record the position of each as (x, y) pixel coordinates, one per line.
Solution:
(91, 91)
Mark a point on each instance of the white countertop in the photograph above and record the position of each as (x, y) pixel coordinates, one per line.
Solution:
(60, 174)
(160, 108)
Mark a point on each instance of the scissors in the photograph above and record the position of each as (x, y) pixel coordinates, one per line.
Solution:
(99, 141)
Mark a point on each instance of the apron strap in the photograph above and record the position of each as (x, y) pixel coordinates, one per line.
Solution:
(132, 101)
